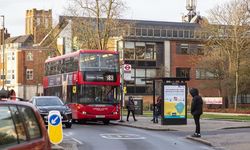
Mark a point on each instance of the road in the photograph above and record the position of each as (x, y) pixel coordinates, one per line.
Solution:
(94, 136)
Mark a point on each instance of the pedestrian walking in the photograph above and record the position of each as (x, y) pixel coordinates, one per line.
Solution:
(131, 107)
(196, 110)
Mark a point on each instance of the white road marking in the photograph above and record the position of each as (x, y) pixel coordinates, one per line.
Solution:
(68, 133)
(79, 142)
(121, 136)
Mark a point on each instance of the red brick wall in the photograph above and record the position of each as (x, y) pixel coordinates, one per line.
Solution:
(188, 61)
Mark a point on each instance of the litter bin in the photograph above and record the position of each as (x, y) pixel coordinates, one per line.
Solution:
(138, 106)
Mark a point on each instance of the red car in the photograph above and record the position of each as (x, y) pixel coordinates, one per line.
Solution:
(21, 127)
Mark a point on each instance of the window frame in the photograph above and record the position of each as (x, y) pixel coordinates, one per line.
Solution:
(29, 74)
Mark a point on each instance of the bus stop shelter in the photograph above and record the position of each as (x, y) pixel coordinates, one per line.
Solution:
(174, 91)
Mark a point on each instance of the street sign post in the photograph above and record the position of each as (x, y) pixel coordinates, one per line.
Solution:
(127, 68)
(127, 72)
(55, 129)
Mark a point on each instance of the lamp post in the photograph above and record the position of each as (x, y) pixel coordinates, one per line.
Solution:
(3, 93)
(122, 80)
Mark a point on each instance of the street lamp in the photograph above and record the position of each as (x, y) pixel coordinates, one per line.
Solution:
(3, 93)
(121, 49)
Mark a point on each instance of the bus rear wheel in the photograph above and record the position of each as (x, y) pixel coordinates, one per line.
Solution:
(106, 122)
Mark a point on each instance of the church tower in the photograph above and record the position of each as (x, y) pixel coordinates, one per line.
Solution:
(38, 23)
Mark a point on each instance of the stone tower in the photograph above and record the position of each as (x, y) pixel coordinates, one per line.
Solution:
(38, 23)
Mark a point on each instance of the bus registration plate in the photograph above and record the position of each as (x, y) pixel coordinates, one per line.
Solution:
(100, 116)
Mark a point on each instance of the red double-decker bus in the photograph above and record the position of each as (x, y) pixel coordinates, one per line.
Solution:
(88, 81)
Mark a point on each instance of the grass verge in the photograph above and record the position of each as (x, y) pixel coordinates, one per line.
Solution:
(206, 116)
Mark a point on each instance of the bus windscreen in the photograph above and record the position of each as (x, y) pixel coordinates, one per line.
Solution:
(99, 62)
(97, 94)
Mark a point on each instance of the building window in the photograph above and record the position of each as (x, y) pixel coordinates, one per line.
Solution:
(29, 74)
(157, 32)
(169, 33)
(138, 31)
(150, 32)
(203, 74)
(131, 31)
(144, 32)
(183, 72)
(163, 33)
(175, 33)
(29, 56)
(150, 51)
(140, 50)
(200, 49)
(38, 21)
(186, 34)
(182, 48)
(189, 49)
(181, 33)
(129, 50)
(46, 23)
(13, 56)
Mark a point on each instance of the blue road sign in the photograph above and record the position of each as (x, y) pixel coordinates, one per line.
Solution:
(54, 120)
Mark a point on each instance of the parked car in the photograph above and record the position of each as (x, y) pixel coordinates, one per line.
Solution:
(21, 127)
(44, 104)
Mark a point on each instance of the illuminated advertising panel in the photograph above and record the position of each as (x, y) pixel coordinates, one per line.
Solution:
(174, 103)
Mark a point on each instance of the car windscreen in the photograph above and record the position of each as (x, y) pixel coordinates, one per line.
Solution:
(49, 102)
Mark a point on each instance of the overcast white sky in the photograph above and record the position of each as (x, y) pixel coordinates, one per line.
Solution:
(155, 10)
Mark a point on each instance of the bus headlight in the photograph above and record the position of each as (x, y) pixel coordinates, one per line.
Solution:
(84, 112)
(115, 113)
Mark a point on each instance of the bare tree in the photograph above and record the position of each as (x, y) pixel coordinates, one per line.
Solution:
(228, 44)
(95, 21)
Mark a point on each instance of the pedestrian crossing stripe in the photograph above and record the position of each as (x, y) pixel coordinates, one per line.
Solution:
(121, 136)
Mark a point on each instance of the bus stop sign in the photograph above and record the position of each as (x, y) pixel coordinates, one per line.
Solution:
(55, 127)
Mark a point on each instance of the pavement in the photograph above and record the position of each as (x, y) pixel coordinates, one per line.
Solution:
(221, 141)
(234, 141)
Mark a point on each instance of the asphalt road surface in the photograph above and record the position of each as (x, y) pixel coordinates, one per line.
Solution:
(94, 136)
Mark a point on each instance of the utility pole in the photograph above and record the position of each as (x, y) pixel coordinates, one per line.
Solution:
(122, 84)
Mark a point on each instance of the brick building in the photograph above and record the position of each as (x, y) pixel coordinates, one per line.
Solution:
(23, 66)
(160, 49)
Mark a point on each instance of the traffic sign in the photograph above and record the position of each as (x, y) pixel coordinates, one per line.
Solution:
(127, 68)
(125, 90)
(74, 89)
(55, 127)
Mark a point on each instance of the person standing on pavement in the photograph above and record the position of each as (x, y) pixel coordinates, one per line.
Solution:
(157, 110)
(196, 110)
(131, 107)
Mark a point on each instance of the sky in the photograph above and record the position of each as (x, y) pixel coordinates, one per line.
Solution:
(154, 10)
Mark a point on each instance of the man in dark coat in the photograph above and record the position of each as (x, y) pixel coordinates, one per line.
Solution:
(131, 108)
(196, 110)
(157, 110)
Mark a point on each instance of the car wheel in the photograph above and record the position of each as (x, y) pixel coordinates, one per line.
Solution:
(68, 124)
(106, 122)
